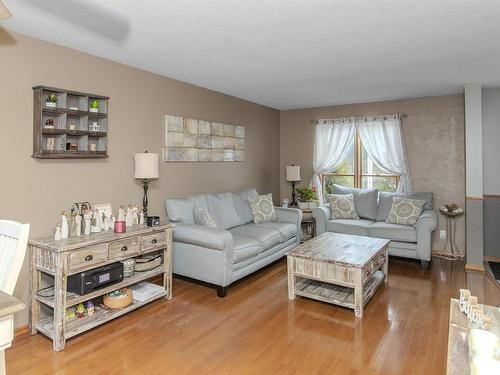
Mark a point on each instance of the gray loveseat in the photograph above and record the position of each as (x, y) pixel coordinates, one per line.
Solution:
(238, 247)
(373, 207)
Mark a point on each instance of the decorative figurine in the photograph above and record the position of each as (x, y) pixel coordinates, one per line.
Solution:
(95, 227)
(70, 313)
(112, 222)
(57, 235)
(64, 225)
(90, 308)
(80, 311)
(87, 216)
(135, 215)
(101, 220)
(141, 218)
(121, 214)
(128, 217)
(78, 225)
(106, 221)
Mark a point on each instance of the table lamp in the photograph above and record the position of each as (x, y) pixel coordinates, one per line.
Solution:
(146, 169)
(293, 176)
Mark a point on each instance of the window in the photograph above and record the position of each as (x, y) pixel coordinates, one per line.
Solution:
(360, 171)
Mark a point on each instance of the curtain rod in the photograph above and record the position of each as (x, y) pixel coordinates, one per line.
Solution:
(402, 115)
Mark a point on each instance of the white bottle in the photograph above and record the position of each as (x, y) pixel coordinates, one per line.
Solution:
(87, 216)
(64, 226)
(57, 235)
(141, 218)
(78, 223)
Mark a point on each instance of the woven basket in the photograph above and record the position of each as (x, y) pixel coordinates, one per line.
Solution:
(117, 302)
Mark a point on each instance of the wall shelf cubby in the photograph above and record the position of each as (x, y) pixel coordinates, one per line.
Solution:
(72, 128)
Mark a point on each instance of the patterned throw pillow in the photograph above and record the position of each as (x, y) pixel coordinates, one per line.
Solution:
(405, 211)
(262, 208)
(203, 217)
(342, 206)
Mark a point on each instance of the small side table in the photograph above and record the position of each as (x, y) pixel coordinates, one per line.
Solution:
(308, 225)
(450, 245)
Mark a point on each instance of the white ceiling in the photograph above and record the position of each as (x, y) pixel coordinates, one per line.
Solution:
(285, 54)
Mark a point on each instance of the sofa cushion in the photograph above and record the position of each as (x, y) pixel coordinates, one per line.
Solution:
(349, 226)
(262, 208)
(182, 209)
(342, 206)
(405, 211)
(287, 230)
(385, 202)
(242, 205)
(365, 200)
(395, 232)
(244, 248)
(266, 237)
(221, 207)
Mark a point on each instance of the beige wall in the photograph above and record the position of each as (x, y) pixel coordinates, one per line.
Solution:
(434, 136)
(35, 191)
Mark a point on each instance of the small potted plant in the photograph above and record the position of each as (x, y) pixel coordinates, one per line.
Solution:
(51, 101)
(307, 196)
(314, 202)
(94, 106)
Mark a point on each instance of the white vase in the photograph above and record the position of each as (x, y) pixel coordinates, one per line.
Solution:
(303, 205)
(95, 110)
(313, 205)
(50, 104)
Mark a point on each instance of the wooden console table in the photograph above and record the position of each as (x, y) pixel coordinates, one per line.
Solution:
(60, 259)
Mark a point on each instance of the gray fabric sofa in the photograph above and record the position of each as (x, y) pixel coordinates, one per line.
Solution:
(373, 208)
(238, 247)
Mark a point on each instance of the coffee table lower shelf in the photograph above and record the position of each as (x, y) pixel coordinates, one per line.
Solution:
(336, 294)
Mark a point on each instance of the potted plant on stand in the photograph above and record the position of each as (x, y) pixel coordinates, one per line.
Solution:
(94, 106)
(51, 101)
(307, 197)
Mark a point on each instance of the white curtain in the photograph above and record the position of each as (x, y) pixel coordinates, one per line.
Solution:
(332, 144)
(383, 140)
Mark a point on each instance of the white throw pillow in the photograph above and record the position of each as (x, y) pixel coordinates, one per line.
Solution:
(262, 208)
(203, 217)
(405, 211)
(342, 206)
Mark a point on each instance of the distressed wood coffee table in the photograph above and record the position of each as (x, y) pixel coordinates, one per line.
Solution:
(337, 268)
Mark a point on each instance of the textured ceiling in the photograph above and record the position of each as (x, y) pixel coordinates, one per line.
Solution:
(285, 54)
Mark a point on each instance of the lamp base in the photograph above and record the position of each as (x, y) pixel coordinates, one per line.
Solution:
(293, 203)
(145, 198)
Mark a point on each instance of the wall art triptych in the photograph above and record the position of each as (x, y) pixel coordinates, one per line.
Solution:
(191, 140)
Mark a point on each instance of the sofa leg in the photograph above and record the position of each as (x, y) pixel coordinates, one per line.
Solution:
(221, 291)
(425, 264)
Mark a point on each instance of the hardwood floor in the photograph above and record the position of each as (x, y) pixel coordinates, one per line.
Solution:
(256, 330)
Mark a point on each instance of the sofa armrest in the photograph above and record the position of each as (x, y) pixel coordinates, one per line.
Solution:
(203, 236)
(288, 215)
(427, 221)
(321, 214)
(426, 224)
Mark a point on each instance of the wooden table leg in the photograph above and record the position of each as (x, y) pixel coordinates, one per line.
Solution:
(358, 293)
(34, 286)
(385, 267)
(291, 278)
(59, 308)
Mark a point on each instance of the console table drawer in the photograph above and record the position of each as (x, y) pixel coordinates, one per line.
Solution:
(124, 248)
(88, 256)
(153, 241)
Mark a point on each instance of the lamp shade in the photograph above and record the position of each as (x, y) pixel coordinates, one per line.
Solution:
(146, 165)
(293, 173)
